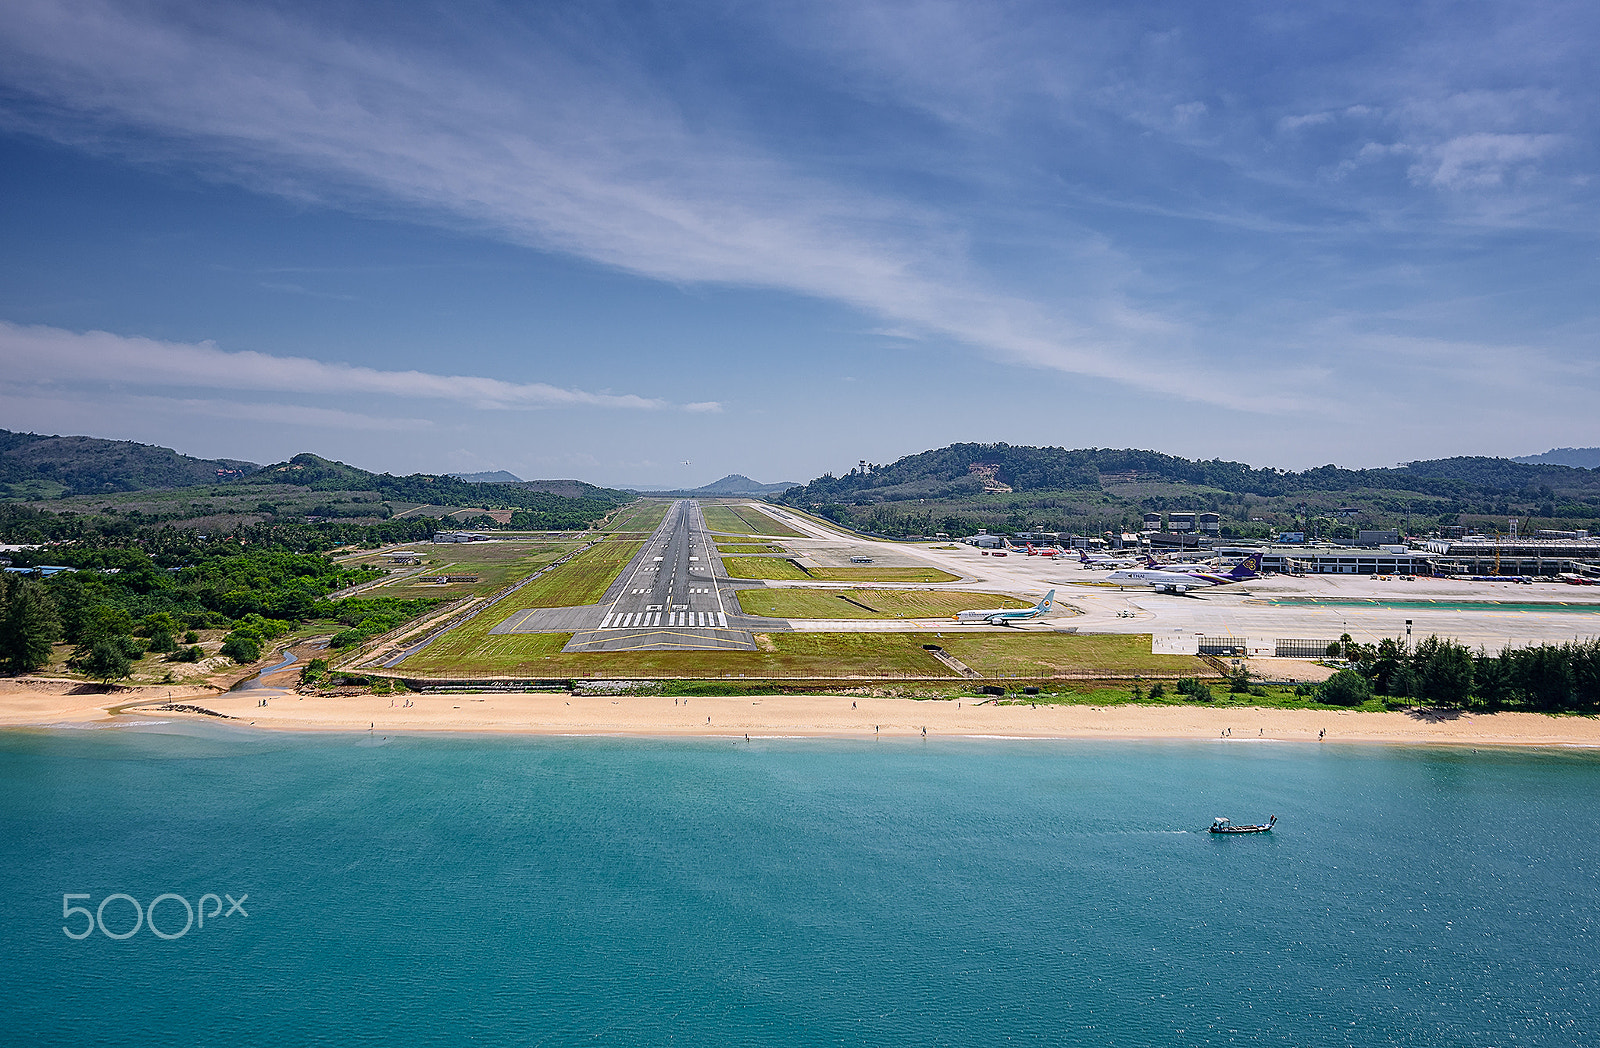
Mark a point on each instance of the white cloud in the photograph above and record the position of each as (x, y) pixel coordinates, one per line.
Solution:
(53, 355)
(1482, 160)
(551, 147)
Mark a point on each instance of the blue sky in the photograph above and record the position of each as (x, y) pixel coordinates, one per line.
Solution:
(651, 244)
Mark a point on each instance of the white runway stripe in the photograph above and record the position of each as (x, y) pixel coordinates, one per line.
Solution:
(722, 620)
(605, 622)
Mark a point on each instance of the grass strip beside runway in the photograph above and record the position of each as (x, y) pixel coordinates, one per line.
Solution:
(878, 604)
(883, 573)
(741, 521)
(497, 564)
(762, 568)
(1052, 654)
(644, 515)
(881, 656)
(582, 580)
(780, 569)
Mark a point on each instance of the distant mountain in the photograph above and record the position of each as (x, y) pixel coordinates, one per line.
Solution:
(734, 484)
(739, 484)
(499, 476)
(1582, 458)
(34, 466)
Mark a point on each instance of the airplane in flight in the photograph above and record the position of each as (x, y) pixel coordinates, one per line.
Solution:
(1168, 581)
(1006, 616)
(1101, 560)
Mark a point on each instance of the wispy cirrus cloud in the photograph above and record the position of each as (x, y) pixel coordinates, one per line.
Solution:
(545, 144)
(54, 356)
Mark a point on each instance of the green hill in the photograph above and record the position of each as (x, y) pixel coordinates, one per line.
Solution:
(35, 466)
(1094, 489)
(538, 508)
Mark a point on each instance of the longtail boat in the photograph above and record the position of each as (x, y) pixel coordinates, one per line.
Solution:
(1221, 825)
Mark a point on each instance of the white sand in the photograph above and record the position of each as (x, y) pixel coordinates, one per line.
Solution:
(792, 715)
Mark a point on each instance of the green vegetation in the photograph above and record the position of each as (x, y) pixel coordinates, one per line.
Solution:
(582, 580)
(743, 520)
(799, 655)
(963, 487)
(497, 564)
(867, 604)
(881, 573)
(143, 485)
(748, 549)
(1548, 678)
(29, 625)
(780, 569)
(763, 568)
(782, 655)
(643, 515)
(162, 583)
(365, 617)
(1019, 654)
(39, 466)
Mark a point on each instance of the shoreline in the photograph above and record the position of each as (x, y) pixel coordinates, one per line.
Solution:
(789, 716)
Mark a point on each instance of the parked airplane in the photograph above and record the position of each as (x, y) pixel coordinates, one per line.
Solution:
(1006, 616)
(1166, 581)
(1157, 565)
(1101, 560)
(1048, 551)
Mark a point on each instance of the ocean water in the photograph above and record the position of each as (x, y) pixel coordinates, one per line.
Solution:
(593, 891)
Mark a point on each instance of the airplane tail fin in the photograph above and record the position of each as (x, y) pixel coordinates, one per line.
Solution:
(1083, 556)
(1249, 568)
(1044, 606)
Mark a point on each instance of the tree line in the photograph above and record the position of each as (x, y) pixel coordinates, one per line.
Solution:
(125, 598)
(1547, 678)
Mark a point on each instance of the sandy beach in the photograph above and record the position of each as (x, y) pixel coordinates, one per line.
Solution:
(772, 716)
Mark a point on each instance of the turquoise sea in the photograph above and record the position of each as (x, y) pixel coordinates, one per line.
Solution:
(593, 891)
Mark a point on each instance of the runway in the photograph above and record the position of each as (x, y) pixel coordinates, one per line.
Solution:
(671, 596)
(675, 596)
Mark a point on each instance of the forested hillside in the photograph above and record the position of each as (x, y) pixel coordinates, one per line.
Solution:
(533, 508)
(968, 485)
(34, 466)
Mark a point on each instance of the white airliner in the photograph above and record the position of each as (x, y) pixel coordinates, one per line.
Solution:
(1101, 560)
(1044, 551)
(1164, 581)
(1155, 565)
(1006, 616)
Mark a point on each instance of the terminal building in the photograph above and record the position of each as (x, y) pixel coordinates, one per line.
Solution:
(1481, 555)
(1340, 560)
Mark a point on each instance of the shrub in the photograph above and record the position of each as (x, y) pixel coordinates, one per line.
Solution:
(191, 637)
(241, 647)
(162, 641)
(313, 671)
(190, 654)
(1345, 688)
(1194, 688)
